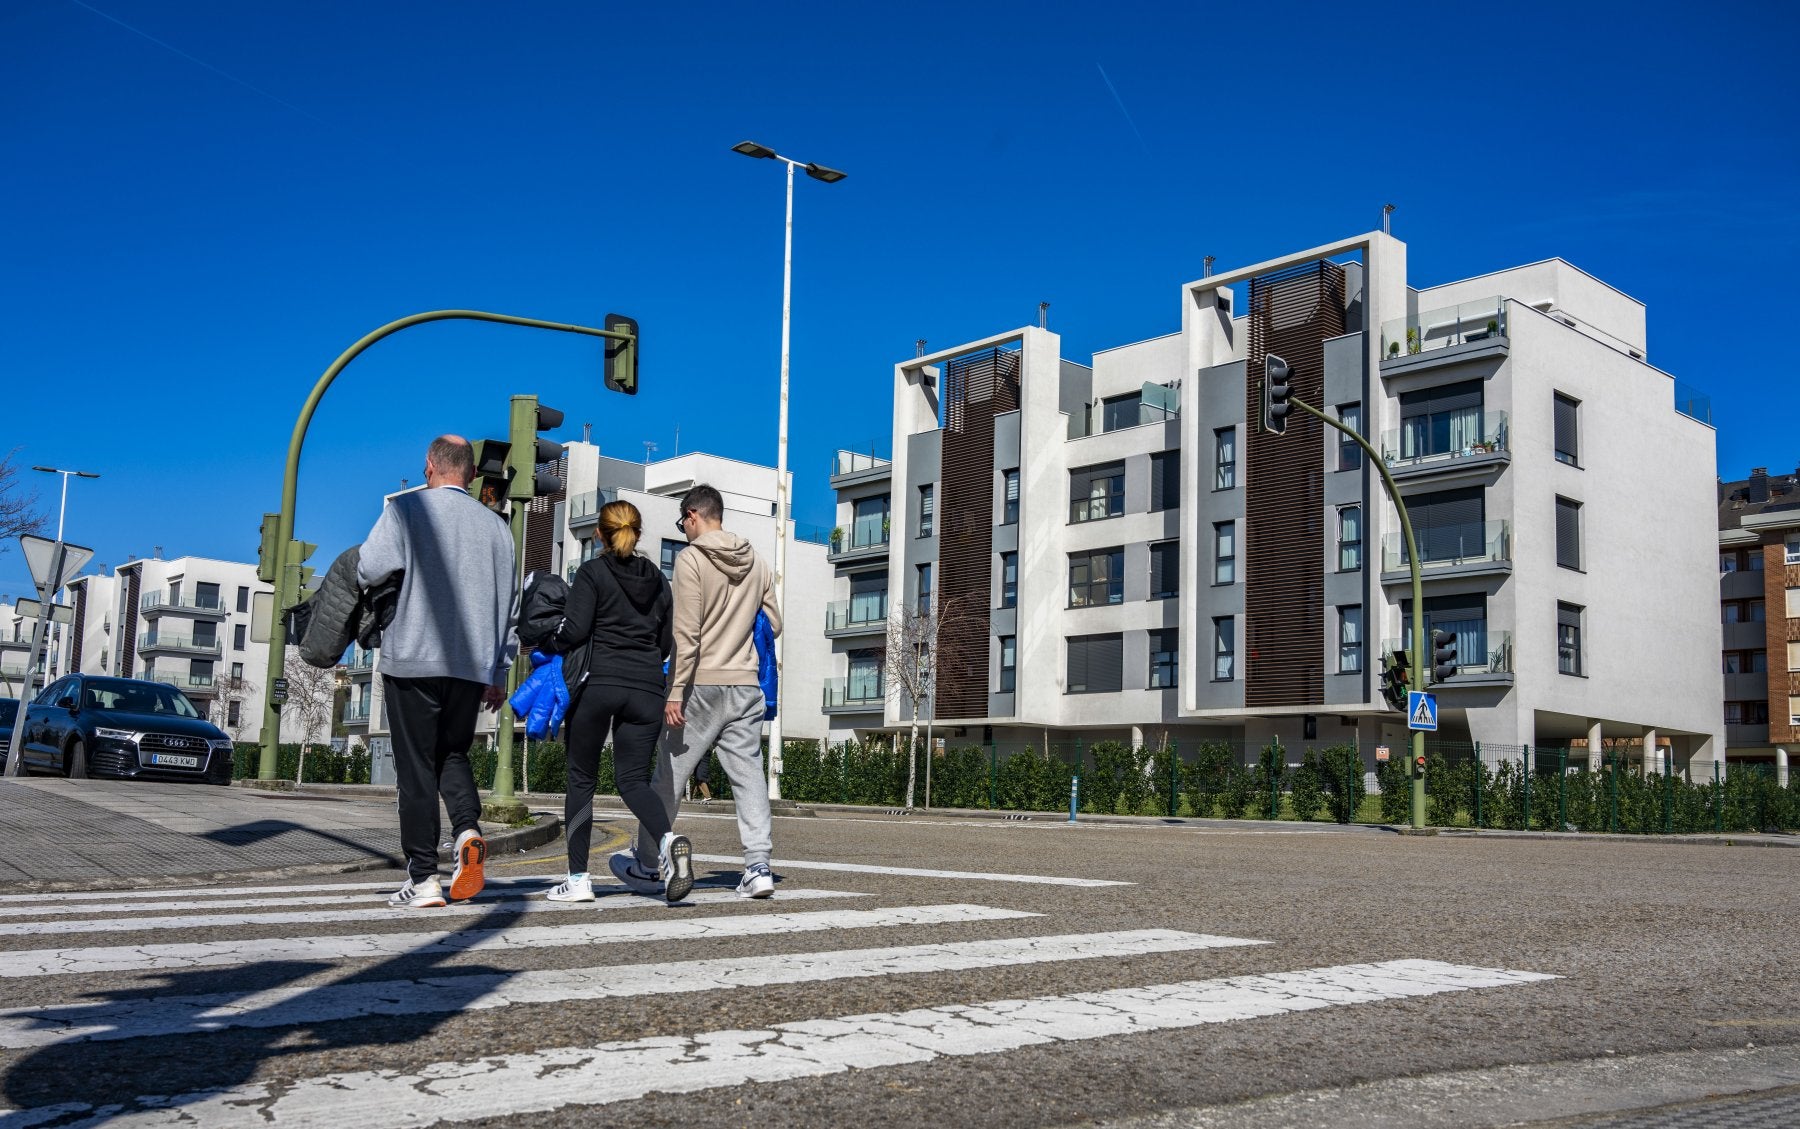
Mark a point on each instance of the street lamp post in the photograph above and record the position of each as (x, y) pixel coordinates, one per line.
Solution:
(782, 504)
(61, 512)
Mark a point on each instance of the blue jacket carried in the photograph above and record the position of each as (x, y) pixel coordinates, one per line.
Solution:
(766, 677)
(543, 698)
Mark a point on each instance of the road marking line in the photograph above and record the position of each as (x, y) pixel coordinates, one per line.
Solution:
(608, 898)
(912, 872)
(153, 1016)
(444, 942)
(389, 885)
(366, 897)
(543, 1081)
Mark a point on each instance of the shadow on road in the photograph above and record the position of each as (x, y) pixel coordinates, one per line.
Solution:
(262, 830)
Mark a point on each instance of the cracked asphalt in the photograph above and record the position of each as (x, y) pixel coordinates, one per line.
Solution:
(308, 1013)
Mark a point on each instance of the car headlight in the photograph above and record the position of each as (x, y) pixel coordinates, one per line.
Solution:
(118, 734)
(220, 743)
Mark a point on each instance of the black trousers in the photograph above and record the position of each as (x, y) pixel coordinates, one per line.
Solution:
(433, 722)
(634, 719)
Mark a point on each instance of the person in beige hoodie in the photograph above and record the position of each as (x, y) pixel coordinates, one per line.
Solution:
(715, 702)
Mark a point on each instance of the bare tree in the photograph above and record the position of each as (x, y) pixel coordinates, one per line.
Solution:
(914, 660)
(18, 505)
(311, 694)
(230, 689)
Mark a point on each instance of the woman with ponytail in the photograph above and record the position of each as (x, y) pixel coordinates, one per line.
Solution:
(619, 608)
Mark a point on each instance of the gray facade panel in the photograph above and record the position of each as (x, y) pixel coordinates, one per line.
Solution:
(1001, 705)
(1006, 440)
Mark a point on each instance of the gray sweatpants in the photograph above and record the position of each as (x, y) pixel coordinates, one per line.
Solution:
(728, 720)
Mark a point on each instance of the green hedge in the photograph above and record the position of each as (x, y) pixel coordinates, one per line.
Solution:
(322, 765)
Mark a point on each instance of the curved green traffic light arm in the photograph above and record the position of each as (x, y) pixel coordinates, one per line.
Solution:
(1416, 677)
(271, 732)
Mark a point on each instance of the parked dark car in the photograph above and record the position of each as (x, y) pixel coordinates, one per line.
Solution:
(85, 725)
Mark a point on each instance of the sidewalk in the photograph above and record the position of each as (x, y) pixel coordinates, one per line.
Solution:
(95, 834)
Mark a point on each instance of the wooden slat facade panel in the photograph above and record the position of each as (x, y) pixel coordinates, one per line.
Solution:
(1292, 313)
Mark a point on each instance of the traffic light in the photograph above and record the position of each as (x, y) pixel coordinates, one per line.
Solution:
(1277, 390)
(265, 550)
(299, 574)
(1443, 655)
(529, 450)
(621, 356)
(1394, 682)
(491, 473)
(1419, 763)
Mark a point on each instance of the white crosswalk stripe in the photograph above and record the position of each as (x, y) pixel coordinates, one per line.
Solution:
(914, 872)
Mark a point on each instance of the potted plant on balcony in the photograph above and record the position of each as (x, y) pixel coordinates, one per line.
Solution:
(837, 538)
(1493, 328)
(1393, 348)
(1412, 339)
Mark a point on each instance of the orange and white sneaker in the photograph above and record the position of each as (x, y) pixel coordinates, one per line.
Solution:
(471, 853)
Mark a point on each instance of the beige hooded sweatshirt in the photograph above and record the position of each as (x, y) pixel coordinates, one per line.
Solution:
(720, 584)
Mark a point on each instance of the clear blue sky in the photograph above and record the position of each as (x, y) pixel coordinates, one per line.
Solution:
(201, 209)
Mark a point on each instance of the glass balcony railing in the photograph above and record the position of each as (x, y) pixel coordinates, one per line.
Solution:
(183, 681)
(1478, 650)
(1449, 435)
(853, 692)
(845, 615)
(585, 508)
(855, 462)
(361, 660)
(1481, 320)
(858, 538)
(1478, 542)
(355, 712)
(179, 601)
(165, 641)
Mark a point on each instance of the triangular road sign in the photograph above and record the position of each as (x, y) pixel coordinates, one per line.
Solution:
(40, 554)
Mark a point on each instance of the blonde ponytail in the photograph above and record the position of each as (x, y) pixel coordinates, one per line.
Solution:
(621, 525)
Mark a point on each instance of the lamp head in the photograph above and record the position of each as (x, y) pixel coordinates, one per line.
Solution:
(828, 175)
(752, 149)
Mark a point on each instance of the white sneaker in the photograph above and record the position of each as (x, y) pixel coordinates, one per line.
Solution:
(635, 878)
(757, 882)
(574, 888)
(677, 866)
(418, 895)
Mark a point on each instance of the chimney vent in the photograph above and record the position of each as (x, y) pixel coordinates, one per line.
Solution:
(919, 347)
(1043, 315)
(1206, 266)
(1759, 484)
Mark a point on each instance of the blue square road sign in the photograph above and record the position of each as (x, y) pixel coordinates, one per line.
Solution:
(1421, 710)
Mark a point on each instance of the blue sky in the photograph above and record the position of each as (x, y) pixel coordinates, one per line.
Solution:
(206, 202)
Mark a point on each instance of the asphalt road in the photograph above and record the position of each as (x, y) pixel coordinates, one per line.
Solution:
(1175, 971)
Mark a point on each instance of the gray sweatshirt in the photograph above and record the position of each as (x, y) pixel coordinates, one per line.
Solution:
(455, 615)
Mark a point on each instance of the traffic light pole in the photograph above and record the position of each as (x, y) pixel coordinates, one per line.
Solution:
(1416, 676)
(271, 727)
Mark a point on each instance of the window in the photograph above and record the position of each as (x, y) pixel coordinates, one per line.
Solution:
(1349, 451)
(238, 637)
(1450, 525)
(1009, 497)
(1096, 664)
(869, 525)
(670, 550)
(1464, 616)
(233, 713)
(1568, 639)
(868, 597)
(206, 634)
(1792, 549)
(1009, 663)
(1794, 709)
(1350, 639)
(1350, 538)
(1225, 458)
(1096, 492)
(1009, 580)
(243, 599)
(924, 589)
(206, 595)
(1164, 658)
(1747, 713)
(1165, 480)
(1794, 656)
(1567, 430)
(1746, 662)
(1121, 411)
(925, 507)
(1165, 570)
(864, 683)
(237, 670)
(1568, 534)
(1224, 648)
(1097, 578)
(1793, 603)
(1224, 552)
(1728, 561)
(1444, 420)
(1754, 559)
(200, 672)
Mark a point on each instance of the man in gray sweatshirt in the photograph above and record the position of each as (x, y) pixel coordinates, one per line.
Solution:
(443, 657)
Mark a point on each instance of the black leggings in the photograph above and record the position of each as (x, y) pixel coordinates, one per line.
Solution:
(634, 719)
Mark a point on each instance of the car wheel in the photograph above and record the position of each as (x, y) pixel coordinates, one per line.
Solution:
(75, 760)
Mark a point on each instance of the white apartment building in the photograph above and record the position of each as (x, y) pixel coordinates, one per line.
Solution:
(1149, 561)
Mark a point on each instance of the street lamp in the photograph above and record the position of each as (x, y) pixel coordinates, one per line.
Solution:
(829, 176)
(61, 512)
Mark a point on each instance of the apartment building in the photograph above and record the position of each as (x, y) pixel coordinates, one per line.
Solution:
(1759, 606)
(1147, 561)
(854, 690)
(16, 633)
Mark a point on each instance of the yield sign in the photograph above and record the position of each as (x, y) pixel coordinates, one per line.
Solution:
(40, 554)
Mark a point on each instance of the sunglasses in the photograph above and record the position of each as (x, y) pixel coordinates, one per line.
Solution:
(681, 522)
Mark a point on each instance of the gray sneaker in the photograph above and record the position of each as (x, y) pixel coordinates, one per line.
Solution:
(757, 881)
(418, 895)
(634, 877)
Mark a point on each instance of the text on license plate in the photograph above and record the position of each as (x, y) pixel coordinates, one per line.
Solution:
(175, 761)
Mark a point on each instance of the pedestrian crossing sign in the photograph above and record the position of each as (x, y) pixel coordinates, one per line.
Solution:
(1421, 711)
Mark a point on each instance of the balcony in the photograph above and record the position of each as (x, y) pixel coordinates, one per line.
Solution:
(584, 509)
(163, 642)
(856, 616)
(163, 602)
(356, 713)
(1472, 329)
(1491, 666)
(861, 543)
(1439, 445)
(1475, 549)
(858, 695)
(852, 468)
(187, 683)
(360, 661)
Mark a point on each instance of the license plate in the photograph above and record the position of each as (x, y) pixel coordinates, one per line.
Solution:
(175, 761)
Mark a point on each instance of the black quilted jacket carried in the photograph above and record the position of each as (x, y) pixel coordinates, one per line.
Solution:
(325, 624)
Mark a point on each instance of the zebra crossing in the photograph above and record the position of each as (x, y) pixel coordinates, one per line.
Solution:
(469, 968)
